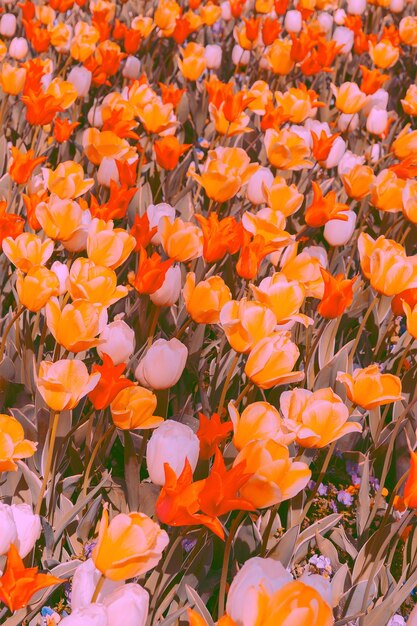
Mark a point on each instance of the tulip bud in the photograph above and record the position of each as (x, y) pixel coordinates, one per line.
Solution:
(226, 11)
(107, 172)
(94, 116)
(344, 37)
(375, 153)
(377, 121)
(131, 68)
(293, 21)
(93, 615)
(131, 601)
(163, 364)
(261, 179)
(118, 342)
(356, 7)
(339, 17)
(18, 48)
(168, 294)
(80, 77)
(348, 122)
(240, 56)
(171, 443)
(326, 21)
(213, 56)
(397, 6)
(8, 25)
(336, 152)
(155, 213)
(337, 232)
(84, 582)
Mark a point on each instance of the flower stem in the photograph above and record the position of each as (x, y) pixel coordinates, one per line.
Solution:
(7, 330)
(225, 567)
(98, 588)
(53, 425)
(226, 383)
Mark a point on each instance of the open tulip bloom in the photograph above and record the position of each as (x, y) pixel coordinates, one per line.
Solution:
(208, 312)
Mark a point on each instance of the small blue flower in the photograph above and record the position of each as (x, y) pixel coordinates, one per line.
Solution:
(345, 497)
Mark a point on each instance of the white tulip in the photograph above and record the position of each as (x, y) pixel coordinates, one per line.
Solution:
(93, 615)
(240, 56)
(173, 443)
(344, 37)
(118, 342)
(377, 121)
(84, 582)
(155, 213)
(131, 601)
(107, 172)
(131, 69)
(356, 7)
(18, 48)
(213, 55)
(163, 364)
(169, 292)
(293, 22)
(338, 232)
(80, 78)
(261, 179)
(8, 25)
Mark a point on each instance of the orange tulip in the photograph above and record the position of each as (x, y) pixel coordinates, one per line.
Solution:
(211, 432)
(63, 383)
(271, 361)
(110, 383)
(12, 79)
(67, 180)
(284, 297)
(282, 197)
(151, 272)
(279, 56)
(168, 151)
(181, 241)
(324, 208)
(94, 283)
(220, 237)
(338, 294)
(257, 422)
(10, 225)
(63, 129)
(205, 300)
(254, 249)
(142, 232)
(19, 583)
(410, 487)
(13, 445)
(77, 325)
(286, 150)
(22, 165)
(372, 80)
(193, 62)
(358, 181)
(107, 245)
(349, 98)
(41, 108)
(369, 388)
(133, 408)
(245, 322)
(130, 545)
(387, 192)
(36, 287)
(275, 478)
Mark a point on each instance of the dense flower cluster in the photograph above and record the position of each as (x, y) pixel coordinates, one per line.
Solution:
(208, 216)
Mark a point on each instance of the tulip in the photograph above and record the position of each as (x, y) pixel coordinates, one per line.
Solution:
(261, 181)
(169, 292)
(275, 477)
(107, 245)
(279, 57)
(8, 25)
(77, 325)
(205, 300)
(67, 180)
(410, 487)
(369, 388)
(128, 546)
(131, 69)
(62, 273)
(286, 150)
(27, 250)
(407, 30)
(343, 37)
(14, 446)
(94, 283)
(283, 198)
(284, 297)
(84, 583)
(384, 54)
(65, 221)
(133, 407)
(316, 418)
(245, 322)
(117, 340)
(258, 421)
(271, 361)
(12, 79)
(213, 56)
(155, 213)
(358, 181)
(163, 364)
(356, 7)
(36, 287)
(193, 62)
(18, 48)
(337, 296)
(377, 121)
(293, 22)
(171, 443)
(63, 383)
(131, 601)
(337, 232)
(107, 172)
(181, 241)
(349, 98)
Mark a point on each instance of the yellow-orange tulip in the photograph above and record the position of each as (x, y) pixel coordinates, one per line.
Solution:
(358, 181)
(408, 30)
(62, 384)
(133, 408)
(67, 180)
(12, 79)
(349, 98)
(205, 300)
(94, 283)
(224, 173)
(13, 445)
(258, 421)
(286, 150)
(182, 241)
(384, 54)
(157, 117)
(279, 57)
(165, 15)
(282, 197)
(370, 388)
(385, 263)
(36, 287)
(306, 269)
(84, 41)
(62, 91)
(27, 250)
(193, 61)
(316, 418)
(130, 545)
(108, 246)
(409, 201)
(387, 192)
(271, 361)
(77, 325)
(405, 145)
(65, 221)
(285, 297)
(245, 322)
(411, 315)
(410, 101)
(276, 477)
